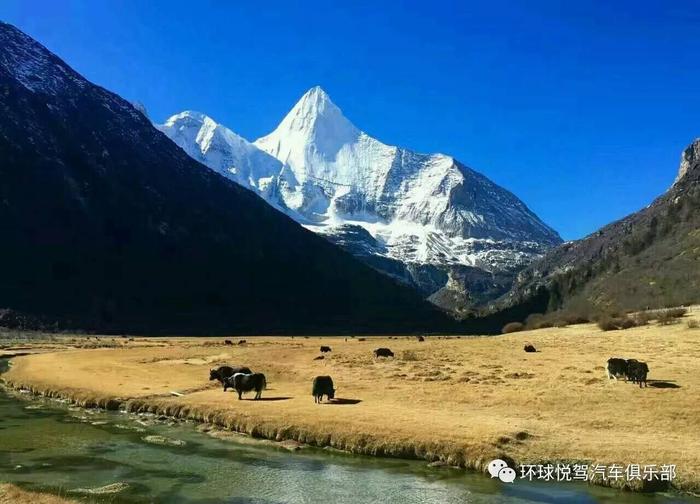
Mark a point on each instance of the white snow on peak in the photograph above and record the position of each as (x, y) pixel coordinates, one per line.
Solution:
(326, 173)
(315, 118)
(311, 136)
(224, 151)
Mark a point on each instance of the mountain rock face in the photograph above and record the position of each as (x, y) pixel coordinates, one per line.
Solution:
(649, 259)
(425, 219)
(107, 225)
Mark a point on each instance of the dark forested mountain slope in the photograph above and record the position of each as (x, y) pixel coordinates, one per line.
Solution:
(107, 225)
(648, 259)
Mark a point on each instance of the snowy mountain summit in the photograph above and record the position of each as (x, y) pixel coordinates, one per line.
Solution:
(424, 218)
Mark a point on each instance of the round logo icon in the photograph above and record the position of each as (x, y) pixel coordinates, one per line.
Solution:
(507, 475)
(499, 469)
(495, 467)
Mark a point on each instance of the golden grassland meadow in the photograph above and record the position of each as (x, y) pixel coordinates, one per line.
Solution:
(448, 400)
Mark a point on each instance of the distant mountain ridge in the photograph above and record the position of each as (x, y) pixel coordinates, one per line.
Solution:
(108, 226)
(425, 219)
(648, 259)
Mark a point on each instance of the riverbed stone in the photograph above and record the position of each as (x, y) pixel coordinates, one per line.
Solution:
(163, 440)
(112, 488)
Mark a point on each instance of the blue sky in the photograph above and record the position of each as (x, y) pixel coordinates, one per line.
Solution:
(580, 108)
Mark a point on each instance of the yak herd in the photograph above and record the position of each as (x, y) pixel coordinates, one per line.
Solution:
(239, 378)
(242, 379)
(630, 369)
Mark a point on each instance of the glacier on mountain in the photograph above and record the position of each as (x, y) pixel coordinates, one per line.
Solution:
(414, 209)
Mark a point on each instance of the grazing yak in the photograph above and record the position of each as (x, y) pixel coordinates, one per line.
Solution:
(322, 385)
(247, 382)
(223, 372)
(383, 352)
(242, 342)
(325, 349)
(420, 338)
(320, 357)
(228, 342)
(637, 372)
(616, 368)
(530, 348)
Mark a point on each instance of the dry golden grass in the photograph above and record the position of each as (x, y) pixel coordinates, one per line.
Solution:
(460, 400)
(12, 494)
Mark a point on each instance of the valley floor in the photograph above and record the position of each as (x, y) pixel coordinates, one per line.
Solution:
(12, 494)
(462, 401)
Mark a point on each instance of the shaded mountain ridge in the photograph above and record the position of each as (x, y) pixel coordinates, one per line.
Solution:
(109, 226)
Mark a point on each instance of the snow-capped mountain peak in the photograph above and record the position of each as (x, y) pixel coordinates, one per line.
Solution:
(314, 128)
(416, 209)
(317, 117)
(224, 151)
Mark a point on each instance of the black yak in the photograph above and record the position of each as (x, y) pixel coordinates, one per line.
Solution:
(223, 372)
(243, 383)
(322, 385)
(383, 352)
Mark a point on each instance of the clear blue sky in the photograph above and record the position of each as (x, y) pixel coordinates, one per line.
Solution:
(580, 108)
